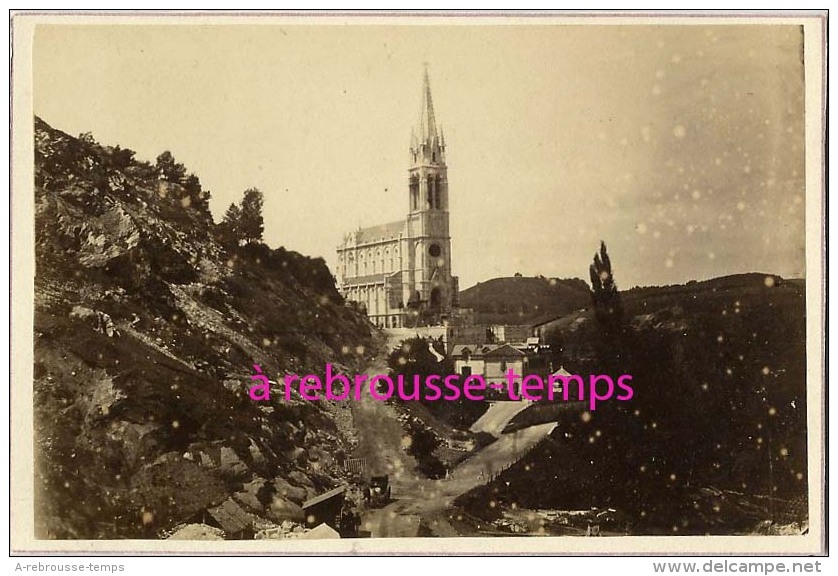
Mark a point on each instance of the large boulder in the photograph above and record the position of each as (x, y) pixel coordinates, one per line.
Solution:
(230, 463)
(299, 479)
(282, 509)
(285, 490)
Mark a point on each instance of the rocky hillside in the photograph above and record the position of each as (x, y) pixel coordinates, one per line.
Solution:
(146, 333)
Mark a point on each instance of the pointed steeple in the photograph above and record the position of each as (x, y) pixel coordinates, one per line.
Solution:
(427, 120)
(426, 143)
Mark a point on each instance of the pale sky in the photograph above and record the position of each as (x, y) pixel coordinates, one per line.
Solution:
(680, 146)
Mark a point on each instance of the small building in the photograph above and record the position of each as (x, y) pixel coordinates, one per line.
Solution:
(493, 361)
(325, 508)
(557, 385)
(468, 358)
(232, 519)
(510, 332)
(502, 358)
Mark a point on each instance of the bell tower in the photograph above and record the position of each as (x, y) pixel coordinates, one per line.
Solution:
(429, 283)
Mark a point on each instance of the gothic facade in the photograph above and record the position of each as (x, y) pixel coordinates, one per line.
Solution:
(400, 272)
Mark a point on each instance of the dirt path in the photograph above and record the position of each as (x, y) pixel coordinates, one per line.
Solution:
(499, 414)
(417, 499)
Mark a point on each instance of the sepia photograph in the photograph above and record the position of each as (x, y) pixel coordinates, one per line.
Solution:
(476, 284)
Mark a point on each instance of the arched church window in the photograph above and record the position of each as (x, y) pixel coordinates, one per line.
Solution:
(414, 192)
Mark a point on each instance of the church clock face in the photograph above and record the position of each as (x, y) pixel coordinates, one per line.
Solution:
(434, 250)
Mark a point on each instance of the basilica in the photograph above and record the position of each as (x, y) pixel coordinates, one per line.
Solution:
(400, 272)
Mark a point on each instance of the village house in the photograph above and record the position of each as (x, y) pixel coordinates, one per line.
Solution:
(325, 508)
(493, 361)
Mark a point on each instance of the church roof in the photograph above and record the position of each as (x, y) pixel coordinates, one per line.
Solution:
(389, 231)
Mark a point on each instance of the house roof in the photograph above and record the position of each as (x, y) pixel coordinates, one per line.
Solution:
(561, 372)
(230, 516)
(476, 350)
(462, 349)
(504, 350)
(325, 496)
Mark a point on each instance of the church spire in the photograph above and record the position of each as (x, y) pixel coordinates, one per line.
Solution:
(426, 143)
(427, 120)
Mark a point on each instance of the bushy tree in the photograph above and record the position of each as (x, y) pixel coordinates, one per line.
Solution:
(414, 358)
(121, 158)
(198, 197)
(229, 227)
(252, 225)
(168, 169)
(243, 222)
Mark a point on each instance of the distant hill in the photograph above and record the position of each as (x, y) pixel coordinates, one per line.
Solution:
(524, 300)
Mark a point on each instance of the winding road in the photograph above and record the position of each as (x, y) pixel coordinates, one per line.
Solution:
(417, 499)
